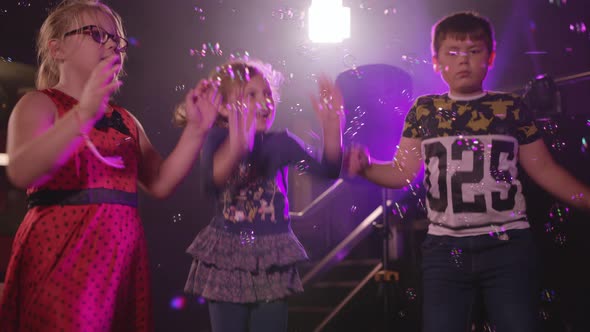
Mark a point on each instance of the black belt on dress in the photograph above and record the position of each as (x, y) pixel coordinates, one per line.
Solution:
(81, 197)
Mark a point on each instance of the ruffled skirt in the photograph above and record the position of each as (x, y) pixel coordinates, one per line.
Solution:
(227, 268)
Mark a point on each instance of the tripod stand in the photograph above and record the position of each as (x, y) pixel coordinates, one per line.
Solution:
(386, 278)
(396, 228)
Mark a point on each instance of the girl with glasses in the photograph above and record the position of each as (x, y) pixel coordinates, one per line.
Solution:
(79, 260)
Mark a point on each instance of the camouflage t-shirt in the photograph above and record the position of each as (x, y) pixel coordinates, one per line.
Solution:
(470, 153)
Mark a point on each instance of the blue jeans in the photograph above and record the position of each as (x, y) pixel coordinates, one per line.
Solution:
(254, 317)
(504, 272)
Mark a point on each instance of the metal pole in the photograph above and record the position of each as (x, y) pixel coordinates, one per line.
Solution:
(385, 262)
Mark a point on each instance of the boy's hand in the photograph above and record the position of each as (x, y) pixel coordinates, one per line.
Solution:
(202, 106)
(328, 105)
(357, 160)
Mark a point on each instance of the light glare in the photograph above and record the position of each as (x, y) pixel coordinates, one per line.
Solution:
(329, 21)
(3, 159)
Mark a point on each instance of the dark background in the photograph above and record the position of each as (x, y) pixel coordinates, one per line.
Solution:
(533, 37)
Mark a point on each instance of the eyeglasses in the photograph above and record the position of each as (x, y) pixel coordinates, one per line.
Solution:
(100, 36)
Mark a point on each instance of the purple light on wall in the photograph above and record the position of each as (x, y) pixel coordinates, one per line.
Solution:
(380, 96)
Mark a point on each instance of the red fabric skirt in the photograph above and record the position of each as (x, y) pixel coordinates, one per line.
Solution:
(78, 268)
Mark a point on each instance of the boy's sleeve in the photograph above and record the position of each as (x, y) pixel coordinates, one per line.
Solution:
(295, 154)
(411, 126)
(215, 137)
(526, 129)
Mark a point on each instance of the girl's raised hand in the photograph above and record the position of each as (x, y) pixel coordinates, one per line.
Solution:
(101, 84)
(242, 122)
(202, 105)
(328, 105)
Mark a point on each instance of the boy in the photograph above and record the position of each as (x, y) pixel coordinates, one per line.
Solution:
(471, 140)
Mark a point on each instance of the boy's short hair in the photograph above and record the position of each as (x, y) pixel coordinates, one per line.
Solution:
(461, 26)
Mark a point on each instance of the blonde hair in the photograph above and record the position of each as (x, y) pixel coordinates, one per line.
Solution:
(57, 24)
(230, 76)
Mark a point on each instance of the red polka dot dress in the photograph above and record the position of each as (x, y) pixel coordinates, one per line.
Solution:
(79, 262)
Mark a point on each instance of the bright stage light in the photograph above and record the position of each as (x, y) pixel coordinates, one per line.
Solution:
(3, 159)
(329, 21)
